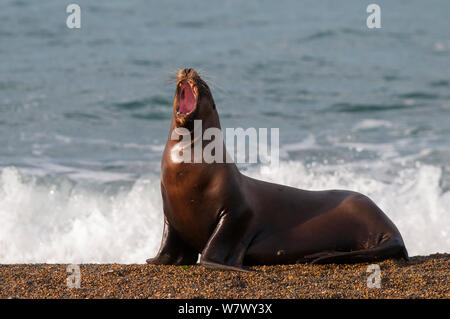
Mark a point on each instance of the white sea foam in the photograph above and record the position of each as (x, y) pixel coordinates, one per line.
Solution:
(369, 124)
(59, 221)
(384, 150)
(307, 144)
(62, 223)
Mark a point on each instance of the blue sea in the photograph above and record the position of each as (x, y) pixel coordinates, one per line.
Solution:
(84, 113)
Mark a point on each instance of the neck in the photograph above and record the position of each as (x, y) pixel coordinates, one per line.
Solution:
(198, 143)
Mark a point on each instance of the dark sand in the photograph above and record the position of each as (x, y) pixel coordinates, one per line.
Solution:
(420, 277)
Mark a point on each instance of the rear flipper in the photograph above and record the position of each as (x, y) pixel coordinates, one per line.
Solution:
(390, 249)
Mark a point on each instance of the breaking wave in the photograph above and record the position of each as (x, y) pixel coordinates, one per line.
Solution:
(57, 220)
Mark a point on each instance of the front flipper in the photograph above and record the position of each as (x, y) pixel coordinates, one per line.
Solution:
(228, 244)
(173, 251)
(216, 266)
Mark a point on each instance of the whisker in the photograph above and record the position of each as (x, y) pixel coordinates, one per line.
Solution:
(212, 81)
(171, 77)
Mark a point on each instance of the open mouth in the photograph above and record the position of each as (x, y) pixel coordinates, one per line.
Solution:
(187, 98)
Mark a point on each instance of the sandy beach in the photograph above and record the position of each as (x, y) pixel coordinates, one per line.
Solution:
(420, 277)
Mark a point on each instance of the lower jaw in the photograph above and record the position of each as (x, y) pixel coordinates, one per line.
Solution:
(185, 117)
(183, 120)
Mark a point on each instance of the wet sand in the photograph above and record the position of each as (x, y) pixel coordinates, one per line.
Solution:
(420, 277)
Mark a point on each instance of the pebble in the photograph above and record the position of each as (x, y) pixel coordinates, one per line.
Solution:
(420, 277)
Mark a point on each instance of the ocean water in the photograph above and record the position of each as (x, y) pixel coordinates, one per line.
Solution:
(84, 113)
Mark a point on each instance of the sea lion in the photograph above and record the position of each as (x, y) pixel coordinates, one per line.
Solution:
(234, 221)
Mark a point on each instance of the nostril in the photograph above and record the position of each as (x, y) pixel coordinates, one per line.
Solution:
(187, 71)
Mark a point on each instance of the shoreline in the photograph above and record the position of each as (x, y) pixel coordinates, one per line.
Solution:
(420, 277)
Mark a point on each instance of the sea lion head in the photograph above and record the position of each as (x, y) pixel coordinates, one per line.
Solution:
(193, 101)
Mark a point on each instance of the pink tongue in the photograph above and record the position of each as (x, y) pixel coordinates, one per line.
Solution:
(187, 99)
